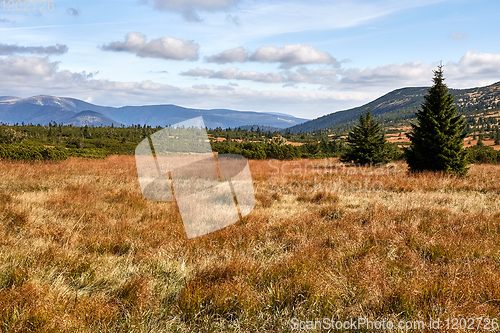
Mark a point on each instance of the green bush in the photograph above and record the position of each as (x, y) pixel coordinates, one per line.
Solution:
(28, 151)
(483, 154)
(88, 153)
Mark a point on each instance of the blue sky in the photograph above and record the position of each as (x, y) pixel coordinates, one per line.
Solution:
(303, 58)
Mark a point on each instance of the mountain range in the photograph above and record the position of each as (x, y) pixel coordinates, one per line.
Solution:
(394, 107)
(44, 109)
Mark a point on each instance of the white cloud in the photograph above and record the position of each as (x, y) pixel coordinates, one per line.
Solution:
(164, 47)
(480, 63)
(232, 55)
(8, 49)
(267, 77)
(189, 8)
(327, 77)
(16, 66)
(288, 56)
(201, 86)
(226, 73)
(394, 74)
(198, 72)
(471, 70)
(293, 55)
(330, 78)
(232, 73)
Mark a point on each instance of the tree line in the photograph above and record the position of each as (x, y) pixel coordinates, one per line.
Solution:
(58, 141)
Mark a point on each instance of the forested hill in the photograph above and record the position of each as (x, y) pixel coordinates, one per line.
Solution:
(49, 109)
(401, 104)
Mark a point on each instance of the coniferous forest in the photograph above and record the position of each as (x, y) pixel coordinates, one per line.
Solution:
(54, 141)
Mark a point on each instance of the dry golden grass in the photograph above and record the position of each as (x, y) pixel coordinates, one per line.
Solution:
(82, 250)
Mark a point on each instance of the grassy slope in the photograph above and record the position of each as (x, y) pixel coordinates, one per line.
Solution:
(80, 248)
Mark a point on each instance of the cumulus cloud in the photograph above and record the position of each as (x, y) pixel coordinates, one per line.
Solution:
(267, 77)
(232, 73)
(288, 77)
(226, 73)
(232, 55)
(198, 72)
(189, 8)
(326, 77)
(412, 72)
(480, 63)
(27, 66)
(201, 86)
(20, 73)
(288, 56)
(9, 49)
(164, 47)
(471, 70)
(73, 11)
(293, 55)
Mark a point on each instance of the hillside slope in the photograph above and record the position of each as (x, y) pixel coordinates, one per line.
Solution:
(401, 104)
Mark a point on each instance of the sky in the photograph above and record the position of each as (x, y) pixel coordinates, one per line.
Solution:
(304, 58)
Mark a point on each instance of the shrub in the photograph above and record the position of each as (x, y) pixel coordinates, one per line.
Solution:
(9, 136)
(483, 154)
(28, 151)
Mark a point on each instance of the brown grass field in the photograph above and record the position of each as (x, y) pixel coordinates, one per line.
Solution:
(83, 251)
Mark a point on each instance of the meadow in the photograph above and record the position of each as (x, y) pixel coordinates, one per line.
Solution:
(82, 251)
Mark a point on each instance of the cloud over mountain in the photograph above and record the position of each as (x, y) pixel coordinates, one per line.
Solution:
(232, 55)
(287, 56)
(232, 73)
(163, 48)
(293, 55)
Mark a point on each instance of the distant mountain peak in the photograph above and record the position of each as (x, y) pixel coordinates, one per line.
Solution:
(49, 100)
(44, 109)
(92, 118)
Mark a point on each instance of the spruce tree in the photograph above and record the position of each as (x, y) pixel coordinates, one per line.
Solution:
(437, 137)
(480, 141)
(366, 142)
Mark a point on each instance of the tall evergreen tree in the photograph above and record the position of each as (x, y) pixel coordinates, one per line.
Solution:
(366, 142)
(437, 138)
